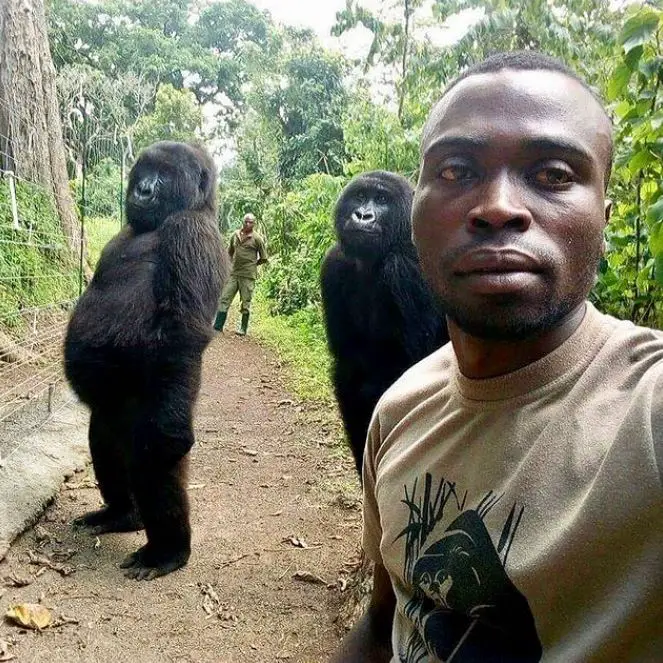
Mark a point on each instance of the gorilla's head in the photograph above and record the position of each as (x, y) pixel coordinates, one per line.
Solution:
(169, 177)
(373, 214)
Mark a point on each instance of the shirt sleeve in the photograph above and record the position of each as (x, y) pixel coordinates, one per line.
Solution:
(262, 253)
(372, 528)
(657, 425)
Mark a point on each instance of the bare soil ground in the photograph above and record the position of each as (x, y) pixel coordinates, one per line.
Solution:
(276, 528)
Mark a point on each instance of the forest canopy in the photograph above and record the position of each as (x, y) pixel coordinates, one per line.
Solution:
(291, 120)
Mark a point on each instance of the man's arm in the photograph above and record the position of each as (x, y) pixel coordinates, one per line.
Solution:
(370, 639)
(262, 253)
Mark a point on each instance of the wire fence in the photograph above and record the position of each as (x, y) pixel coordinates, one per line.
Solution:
(41, 277)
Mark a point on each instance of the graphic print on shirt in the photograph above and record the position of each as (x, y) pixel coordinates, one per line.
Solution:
(465, 608)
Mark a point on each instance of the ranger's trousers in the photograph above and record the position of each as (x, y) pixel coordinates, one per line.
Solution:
(244, 285)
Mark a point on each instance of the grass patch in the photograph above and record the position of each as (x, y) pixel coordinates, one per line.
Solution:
(98, 231)
(300, 343)
(37, 269)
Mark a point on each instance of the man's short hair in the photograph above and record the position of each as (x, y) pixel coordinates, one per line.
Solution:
(528, 61)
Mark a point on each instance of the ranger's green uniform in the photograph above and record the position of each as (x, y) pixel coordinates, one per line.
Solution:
(246, 253)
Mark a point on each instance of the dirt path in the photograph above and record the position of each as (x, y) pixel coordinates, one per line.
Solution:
(266, 479)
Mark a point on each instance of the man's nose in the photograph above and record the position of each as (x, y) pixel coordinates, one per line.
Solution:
(500, 206)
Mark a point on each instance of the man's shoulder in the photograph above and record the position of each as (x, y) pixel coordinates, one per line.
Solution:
(633, 345)
(420, 381)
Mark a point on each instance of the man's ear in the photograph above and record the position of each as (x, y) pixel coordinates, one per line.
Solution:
(608, 210)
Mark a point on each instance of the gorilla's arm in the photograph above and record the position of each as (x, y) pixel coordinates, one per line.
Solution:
(337, 274)
(191, 269)
(423, 324)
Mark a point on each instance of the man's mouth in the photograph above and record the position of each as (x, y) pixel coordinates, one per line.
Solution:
(495, 261)
(497, 271)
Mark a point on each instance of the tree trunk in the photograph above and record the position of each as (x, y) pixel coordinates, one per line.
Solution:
(30, 129)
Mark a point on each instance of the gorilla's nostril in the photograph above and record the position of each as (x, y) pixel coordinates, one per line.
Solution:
(145, 189)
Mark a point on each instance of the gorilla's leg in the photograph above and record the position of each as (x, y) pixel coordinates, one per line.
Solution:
(110, 437)
(356, 398)
(163, 438)
(356, 429)
(164, 506)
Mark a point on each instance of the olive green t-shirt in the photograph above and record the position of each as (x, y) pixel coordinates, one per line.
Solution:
(520, 518)
(245, 254)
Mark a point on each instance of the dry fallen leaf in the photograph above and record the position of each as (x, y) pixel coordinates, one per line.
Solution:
(30, 615)
(42, 535)
(42, 560)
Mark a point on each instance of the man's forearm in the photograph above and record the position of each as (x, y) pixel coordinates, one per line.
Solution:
(367, 642)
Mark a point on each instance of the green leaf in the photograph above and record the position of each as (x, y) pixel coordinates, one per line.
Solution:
(650, 67)
(655, 218)
(618, 82)
(633, 57)
(622, 109)
(638, 29)
(658, 269)
(639, 161)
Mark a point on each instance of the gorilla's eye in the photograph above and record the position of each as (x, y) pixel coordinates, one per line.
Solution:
(381, 199)
(553, 176)
(456, 173)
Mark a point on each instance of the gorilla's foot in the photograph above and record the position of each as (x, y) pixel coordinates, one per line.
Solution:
(148, 564)
(107, 520)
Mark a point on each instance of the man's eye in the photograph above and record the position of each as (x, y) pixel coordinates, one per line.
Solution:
(456, 173)
(553, 176)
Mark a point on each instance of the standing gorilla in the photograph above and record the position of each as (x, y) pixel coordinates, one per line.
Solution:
(134, 346)
(379, 313)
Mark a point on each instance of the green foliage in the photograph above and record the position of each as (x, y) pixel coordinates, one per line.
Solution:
(176, 116)
(153, 40)
(376, 140)
(630, 279)
(301, 100)
(300, 231)
(300, 342)
(36, 268)
(103, 190)
(98, 232)
(299, 125)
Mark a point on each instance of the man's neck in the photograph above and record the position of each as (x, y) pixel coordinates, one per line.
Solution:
(479, 358)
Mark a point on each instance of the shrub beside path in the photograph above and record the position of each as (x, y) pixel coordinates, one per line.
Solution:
(276, 526)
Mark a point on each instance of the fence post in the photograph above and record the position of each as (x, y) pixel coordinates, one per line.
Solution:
(9, 174)
(12, 195)
(121, 185)
(82, 204)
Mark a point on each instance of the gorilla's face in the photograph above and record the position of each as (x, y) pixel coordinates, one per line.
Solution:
(373, 214)
(168, 177)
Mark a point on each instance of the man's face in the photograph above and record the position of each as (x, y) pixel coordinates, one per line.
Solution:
(509, 209)
(249, 222)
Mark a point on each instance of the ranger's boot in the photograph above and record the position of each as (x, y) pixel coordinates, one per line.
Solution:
(220, 320)
(244, 325)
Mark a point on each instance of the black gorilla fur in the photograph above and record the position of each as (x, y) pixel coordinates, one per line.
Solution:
(134, 346)
(379, 313)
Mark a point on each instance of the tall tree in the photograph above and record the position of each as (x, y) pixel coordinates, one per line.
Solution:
(30, 129)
